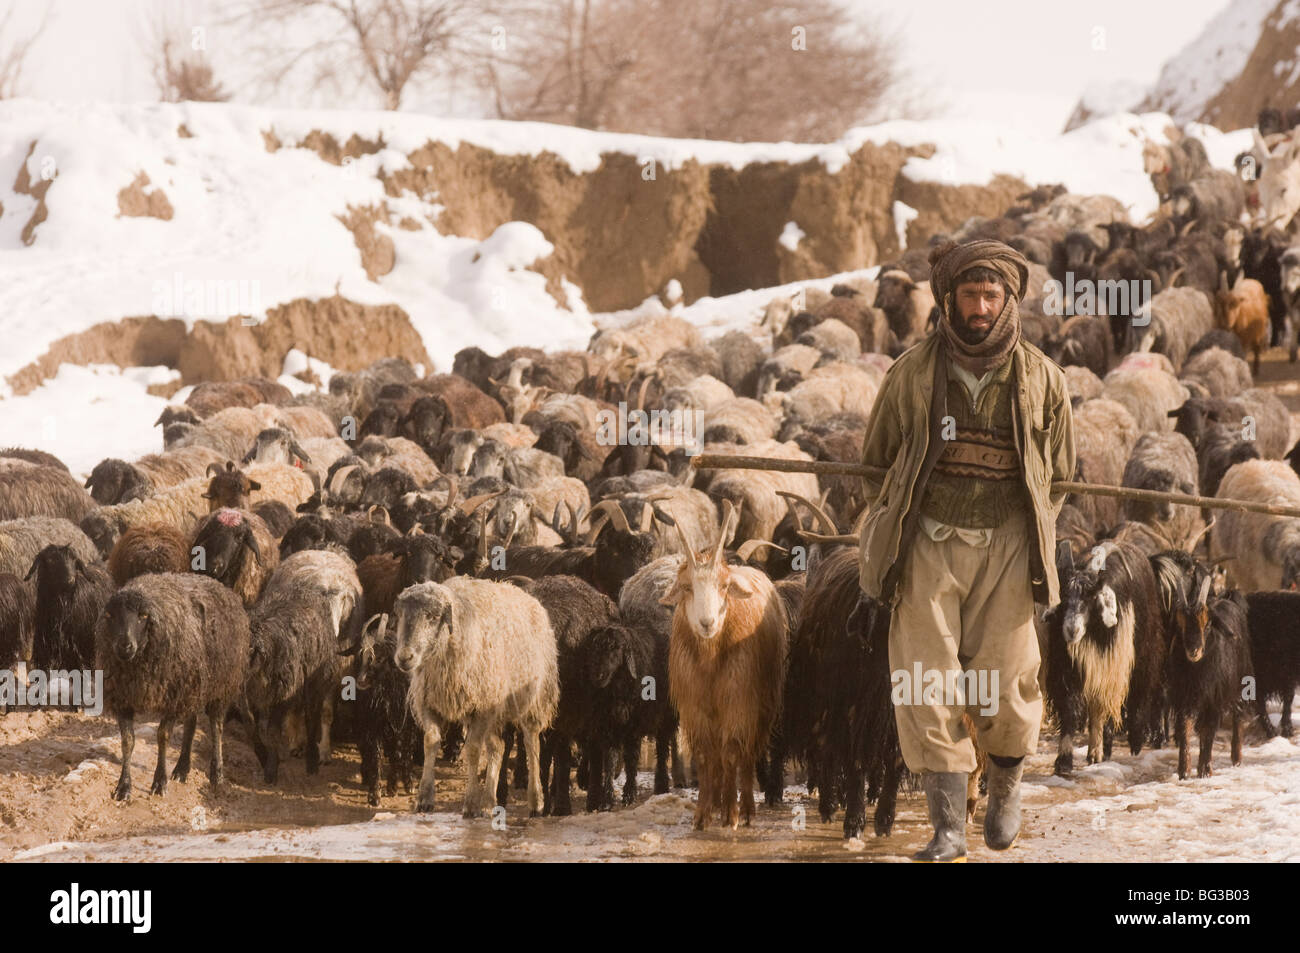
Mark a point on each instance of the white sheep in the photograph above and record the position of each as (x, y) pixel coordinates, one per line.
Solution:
(1263, 551)
(482, 653)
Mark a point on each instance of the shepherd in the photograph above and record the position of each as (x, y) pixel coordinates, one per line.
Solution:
(973, 424)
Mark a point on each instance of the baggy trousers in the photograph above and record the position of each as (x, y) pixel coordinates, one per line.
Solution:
(966, 608)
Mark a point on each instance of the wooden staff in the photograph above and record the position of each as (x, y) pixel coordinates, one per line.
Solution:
(722, 461)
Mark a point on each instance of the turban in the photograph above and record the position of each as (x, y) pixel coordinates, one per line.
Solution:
(947, 262)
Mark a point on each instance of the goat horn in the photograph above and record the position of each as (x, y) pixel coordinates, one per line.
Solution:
(213, 466)
(1204, 593)
(640, 397)
(688, 551)
(615, 513)
(1178, 273)
(1191, 546)
(371, 513)
(827, 523)
(647, 518)
(748, 547)
(482, 534)
(730, 521)
(595, 529)
(468, 506)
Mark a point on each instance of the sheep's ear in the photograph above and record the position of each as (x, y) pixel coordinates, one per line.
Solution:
(31, 572)
(251, 543)
(253, 485)
(739, 587)
(89, 481)
(631, 667)
(206, 496)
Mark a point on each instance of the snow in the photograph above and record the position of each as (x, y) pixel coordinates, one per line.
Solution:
(1215, 58)
(84, 414)
(903, 213)
(791, 236)
(254, 229)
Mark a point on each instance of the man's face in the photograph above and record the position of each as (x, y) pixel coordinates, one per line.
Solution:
(978, 306)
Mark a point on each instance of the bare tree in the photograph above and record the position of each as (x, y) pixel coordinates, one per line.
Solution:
(385, 42)
(178, 57)
(719, 69)
(13, 53)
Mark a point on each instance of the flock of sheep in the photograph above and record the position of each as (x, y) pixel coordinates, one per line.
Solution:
(420, 565)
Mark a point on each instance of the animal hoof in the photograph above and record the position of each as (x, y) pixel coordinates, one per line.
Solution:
(424, 807)
(123, 791)
(158, 787)
(372, 799)
(179, 774)
(534, 813)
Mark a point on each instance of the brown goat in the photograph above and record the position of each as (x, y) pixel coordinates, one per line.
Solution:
(726, 668)
(1243, 310)
(156, 547)
(469, 406)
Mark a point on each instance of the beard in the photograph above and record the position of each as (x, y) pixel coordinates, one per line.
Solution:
(971, 335)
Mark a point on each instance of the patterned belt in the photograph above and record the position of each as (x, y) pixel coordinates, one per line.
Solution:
(979, 454)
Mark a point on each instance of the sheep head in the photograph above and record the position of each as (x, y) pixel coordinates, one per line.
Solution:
(126, 626)
(276, 445)
(56, 569)
(425, 623)
(228, 488)
(705, 583)
(224, 537)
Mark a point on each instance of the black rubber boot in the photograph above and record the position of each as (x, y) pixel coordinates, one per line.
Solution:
(945, 795)
(1002, 820)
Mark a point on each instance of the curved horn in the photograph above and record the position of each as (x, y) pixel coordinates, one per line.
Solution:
(688, 551)
(615, 513)
(1203, 593)
(384, 513)
(641, 392)
(595, 529)
(468, 506)
(1195, 541)
(213, 466)
(730, 520)
(748, 547)
(1178, 273)
(826, 522)
(647, 518)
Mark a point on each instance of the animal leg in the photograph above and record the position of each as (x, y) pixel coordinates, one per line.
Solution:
(159, 786)
(532, 742)
(491, 749)
(1181, 723)
(1206, 727)
(217, 730)
(631, 763)
(181, 770)
(126, 727)
(432, 736)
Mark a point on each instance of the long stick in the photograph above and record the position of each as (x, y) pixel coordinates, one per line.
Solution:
(722, 461)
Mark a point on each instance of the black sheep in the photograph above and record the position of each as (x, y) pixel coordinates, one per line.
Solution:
(69, 597)
(383, 718)
(1273, 620)
(172, 644)
(17, 619)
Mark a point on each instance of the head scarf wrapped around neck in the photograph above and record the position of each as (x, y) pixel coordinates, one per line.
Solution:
(947, 262)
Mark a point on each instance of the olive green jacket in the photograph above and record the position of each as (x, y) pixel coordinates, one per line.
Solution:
(898, 439)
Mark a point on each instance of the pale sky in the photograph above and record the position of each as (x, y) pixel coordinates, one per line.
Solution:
(1025, 58)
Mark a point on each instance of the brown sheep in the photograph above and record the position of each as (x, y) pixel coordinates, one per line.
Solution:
(156, 547)
(726, 668)
(1243, 310)
(210, 397)
(469, 406)
(27, 489)
(907, 305)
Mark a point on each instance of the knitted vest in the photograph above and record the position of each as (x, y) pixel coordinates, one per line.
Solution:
(977, 482)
